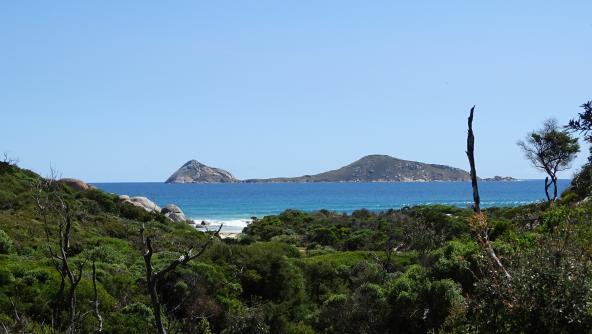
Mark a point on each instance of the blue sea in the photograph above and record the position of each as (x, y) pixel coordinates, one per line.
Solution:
(234, 204)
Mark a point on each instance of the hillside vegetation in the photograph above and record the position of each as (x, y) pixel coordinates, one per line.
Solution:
(415, 270)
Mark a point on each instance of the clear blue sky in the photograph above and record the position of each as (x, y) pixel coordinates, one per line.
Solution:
(130, 90)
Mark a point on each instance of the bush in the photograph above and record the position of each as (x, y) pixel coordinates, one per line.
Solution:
(456, 260)
(420, 304)
(581, 184)
(106, 201)
(324, 236)
(5, 243)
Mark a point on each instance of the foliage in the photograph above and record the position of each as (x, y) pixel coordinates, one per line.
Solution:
(415, 270)
(5, 243)
(583, 124)
(581, 185)
(551, 150)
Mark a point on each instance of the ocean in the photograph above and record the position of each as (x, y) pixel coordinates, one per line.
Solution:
(235, 204)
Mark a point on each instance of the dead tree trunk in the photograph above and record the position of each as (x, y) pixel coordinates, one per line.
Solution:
(480, 220)
(471, 156)
(153, 276)
(97, 313)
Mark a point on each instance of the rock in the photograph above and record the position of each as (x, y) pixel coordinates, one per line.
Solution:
(176, 217)
(141, 202)
(195, 172)
(171, 208)
(499, 178)
(123, 197)
(174, 213)
(76, 184)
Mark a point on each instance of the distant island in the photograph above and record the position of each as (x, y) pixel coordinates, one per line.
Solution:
(500, 179)
(381, 168)
(371, 168)
(194, 171)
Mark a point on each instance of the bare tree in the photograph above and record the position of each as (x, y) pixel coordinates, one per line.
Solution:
(551, 150)
(471, 156)
(8, 160)
(56, 212)
(479, 219)
(153, 276)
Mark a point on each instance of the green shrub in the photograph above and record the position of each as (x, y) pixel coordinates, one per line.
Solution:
(581, 184)
(106, 201)
(5, 243)
(324, 236)
(6, 277)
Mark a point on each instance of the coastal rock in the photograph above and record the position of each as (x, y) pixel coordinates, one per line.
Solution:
(141, 202)
(76, 184)
(171, 208)
(174, 213)
(195, 172)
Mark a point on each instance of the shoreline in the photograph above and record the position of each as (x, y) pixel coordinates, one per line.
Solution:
(230, 228)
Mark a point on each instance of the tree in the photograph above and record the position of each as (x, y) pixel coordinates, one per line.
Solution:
(479, 219)
(56, 212)
(583, 125)
(551, 150)
(153, 276)
(581, 184)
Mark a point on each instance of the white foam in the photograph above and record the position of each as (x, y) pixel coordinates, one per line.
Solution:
(230, 225)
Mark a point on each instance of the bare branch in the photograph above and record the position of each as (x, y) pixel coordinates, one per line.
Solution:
(97, 312)
(8, 160)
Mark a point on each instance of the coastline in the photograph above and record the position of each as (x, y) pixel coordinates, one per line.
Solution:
(230, 228)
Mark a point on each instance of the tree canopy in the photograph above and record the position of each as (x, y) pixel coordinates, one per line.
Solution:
(550, 149)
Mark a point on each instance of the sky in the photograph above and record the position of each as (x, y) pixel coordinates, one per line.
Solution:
(116, 91)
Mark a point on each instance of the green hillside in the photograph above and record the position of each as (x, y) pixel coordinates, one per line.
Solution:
(415, 270)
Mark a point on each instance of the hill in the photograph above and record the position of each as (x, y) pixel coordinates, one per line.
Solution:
(381, 168)
(194, 171)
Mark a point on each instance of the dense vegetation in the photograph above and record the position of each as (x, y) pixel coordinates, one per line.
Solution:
(413, 270)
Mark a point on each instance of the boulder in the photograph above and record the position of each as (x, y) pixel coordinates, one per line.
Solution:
(176, 217)
(142, 202)
(171, 208)
(76, 184)
(174, 213)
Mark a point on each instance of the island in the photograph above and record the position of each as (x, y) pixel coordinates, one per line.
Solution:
(195, 172)
(500, 179)
(371, 168)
